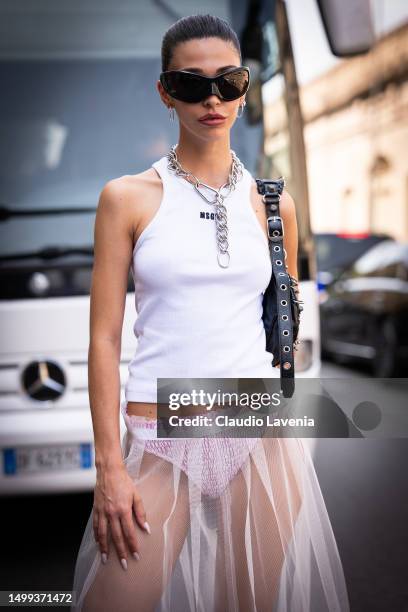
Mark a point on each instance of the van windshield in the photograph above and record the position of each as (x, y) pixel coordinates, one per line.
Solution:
(67, 126)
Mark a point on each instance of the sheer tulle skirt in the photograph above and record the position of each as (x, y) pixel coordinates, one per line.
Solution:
(237, 524)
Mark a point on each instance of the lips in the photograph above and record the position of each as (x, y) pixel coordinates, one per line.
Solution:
(211, 116)
(212, 119)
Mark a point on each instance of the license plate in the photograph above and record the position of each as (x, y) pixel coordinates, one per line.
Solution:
(29, 459)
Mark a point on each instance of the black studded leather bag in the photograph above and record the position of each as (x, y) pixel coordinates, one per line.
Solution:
(281, 307)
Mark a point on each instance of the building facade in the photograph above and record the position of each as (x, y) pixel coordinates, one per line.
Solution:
(356, 139)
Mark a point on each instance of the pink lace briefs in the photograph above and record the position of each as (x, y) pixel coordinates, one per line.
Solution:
(211, 463)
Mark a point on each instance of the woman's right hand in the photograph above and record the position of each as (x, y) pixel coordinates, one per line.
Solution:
(115, 500)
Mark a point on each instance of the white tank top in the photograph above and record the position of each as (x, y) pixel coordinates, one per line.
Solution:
(194, 318)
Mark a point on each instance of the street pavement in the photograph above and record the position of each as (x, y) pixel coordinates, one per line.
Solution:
(364, 484)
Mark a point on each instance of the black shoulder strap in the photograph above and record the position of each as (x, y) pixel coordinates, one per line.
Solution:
(271, 191)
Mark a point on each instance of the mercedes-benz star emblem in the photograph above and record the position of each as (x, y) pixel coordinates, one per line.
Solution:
(43, 380)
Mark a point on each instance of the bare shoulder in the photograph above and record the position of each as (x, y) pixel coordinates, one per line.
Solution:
(287, 208)
(129, 189)
(287, 203)
(132, 197)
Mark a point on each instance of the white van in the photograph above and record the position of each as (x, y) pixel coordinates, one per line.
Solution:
(78, 93)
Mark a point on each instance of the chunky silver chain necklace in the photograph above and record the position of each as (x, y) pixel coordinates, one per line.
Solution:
(221, 193)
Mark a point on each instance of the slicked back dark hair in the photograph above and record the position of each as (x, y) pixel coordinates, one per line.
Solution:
(196, 26)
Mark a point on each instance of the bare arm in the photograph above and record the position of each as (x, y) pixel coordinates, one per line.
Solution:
(113, 250)
(115, 496)
(290, 239)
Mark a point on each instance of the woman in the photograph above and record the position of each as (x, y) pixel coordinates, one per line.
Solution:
(195, 523)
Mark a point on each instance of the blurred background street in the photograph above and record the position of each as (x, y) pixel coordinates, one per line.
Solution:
(363, 483)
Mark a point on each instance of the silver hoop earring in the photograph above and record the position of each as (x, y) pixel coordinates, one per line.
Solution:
(241, 108)
(172, 113)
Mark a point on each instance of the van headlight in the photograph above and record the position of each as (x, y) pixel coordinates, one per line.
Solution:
(303, 355)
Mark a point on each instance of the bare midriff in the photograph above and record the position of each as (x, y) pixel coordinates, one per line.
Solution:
(149, 409)
(146, 409)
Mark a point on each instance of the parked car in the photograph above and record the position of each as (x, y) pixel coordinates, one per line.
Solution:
(336, 252)
(364, 315)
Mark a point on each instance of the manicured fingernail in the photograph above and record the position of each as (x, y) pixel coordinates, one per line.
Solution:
(147, 527)
(124, 563)
(136, 556)
(104, 557)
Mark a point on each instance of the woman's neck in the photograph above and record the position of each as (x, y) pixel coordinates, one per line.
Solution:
(210, 162)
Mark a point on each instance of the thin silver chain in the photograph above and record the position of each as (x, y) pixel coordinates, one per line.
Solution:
(235, 175)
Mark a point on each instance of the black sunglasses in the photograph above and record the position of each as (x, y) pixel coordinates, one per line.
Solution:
(192, 87)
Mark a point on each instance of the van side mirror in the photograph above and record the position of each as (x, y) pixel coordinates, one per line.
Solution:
(349, 26)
